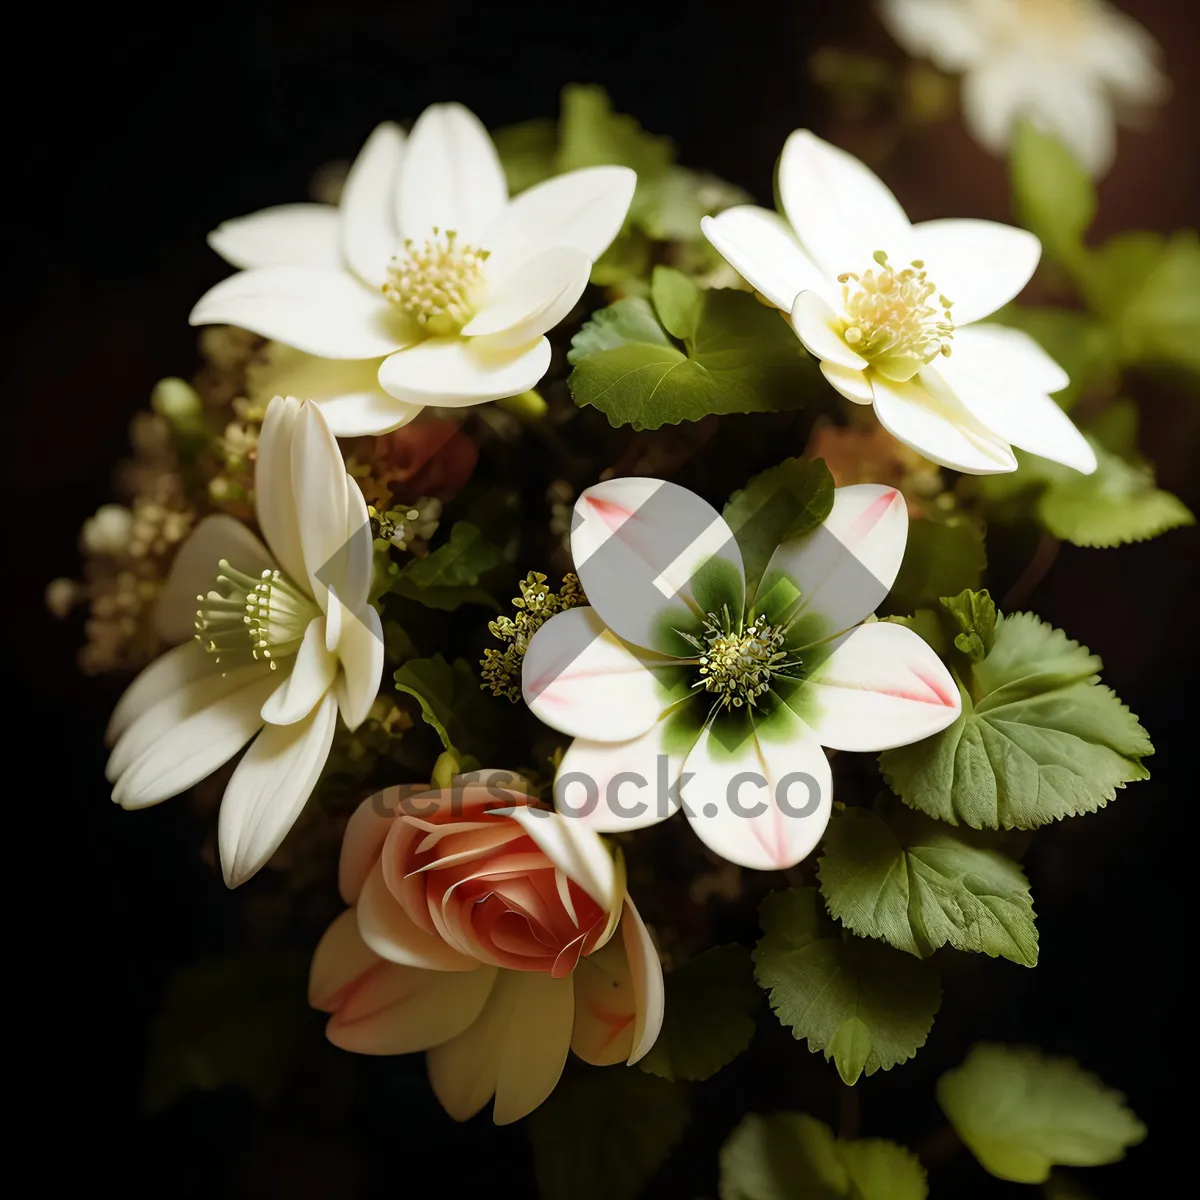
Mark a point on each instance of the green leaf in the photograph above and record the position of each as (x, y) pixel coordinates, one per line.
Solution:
(678, 300)
(974, 614)
(778, 504)
(1077, 341)
(449, 575)
(1052, 193)
(1021, 1112)
(792, 1156)
(709, 1021)
(449, 696)
(592, 135)
(229, 1022)
(819, 979)
(919, 885)
(1038, 738)
(604, 1132)
(942, 558)
(629, 320)
(672, 205)
(741, 358)
(527, 152)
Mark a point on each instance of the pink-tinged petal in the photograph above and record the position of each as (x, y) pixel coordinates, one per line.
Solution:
(362, 843)
(515, 1051)
(653, 556)
(616, 787)
(451, 177)
(762, 804)
(273, 488)
(288, 235)
(393, 935)
(312, 675)
(196, 567)
(979, 265)
(270, 786)
(843, 568)
(532, 299)
(583, 210)
(841, 211)
(360, 649)
(368, 224)
(854, 385)
(455, 373)
(340, 958)
(188, 736)
(163, 678)
(925, 415)
(820, 329)
(645, 973)
(606, 1010)
(762, 248)
(882, 687)
(327, 313)
(582, 680)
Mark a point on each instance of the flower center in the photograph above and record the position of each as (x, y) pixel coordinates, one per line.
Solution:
(737, 666)
(890, 319)
(438, 283)
(263, 618)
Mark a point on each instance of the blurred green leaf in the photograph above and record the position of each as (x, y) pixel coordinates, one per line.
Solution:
(941, 558)
(528, 152)
(1052, 193)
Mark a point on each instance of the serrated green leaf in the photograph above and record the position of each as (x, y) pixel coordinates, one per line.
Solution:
(819, 979)
(1077, 341)
(742, 358)
(604, 1132)
(527, 152)
(678, 301)
(919, 884)
(1052, 193)
(237, 1021)
(629, 320)
(1038, 738)
(778, 504)
(448, 576)
(1021, 1112)
(974, 615)
(449, 696)
(792, 1156)
(708, 1020)
(940, 559)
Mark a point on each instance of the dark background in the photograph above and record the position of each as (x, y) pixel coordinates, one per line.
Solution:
(140, 137)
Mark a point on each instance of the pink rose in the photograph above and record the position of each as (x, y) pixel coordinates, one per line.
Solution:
(473, 906)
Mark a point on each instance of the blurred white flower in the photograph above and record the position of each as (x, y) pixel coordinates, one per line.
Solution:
(109, 531)
(1073, 67)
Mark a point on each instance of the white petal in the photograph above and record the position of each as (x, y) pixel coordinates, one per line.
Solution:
(739, 796)
(289, 235)
(451, 372)
(761, 247)
(311, 676)
(948, 32)
(993, 96)
(360, 649)
(583, 210)
(615, 787)
(1077, 110)
(393, 934)
(820, 329)
(368, 223)
(582, 680)
(653, 557)
(979, 265)
(273, 493)
(269, 788)
(646, 974)
(841, 211)
(195, 570)
(882, 687)
(328, 313)
(1006, 353)
(189, 736)
(161, 679)
(925, 415)
(451, 177)
(854, 385)
(533, 299)
(339, 960)
(320, 494)
(367, 413)
(515, 1051)
(842, 569)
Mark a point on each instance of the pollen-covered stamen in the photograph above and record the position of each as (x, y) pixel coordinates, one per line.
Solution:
(738, 665)
(439, 283)
(248, 617)
(892, 318)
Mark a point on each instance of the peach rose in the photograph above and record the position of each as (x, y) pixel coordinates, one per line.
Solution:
(492, 932)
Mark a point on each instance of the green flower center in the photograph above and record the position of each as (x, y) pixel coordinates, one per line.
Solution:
(737, 665)
(439, 283)
(246, 617)
(890, 319)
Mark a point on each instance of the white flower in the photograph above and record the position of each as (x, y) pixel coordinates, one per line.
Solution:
(109, 531)
(426, 285)
(1070, 66)
(890, 309)
(280, 637)
(717, 694)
